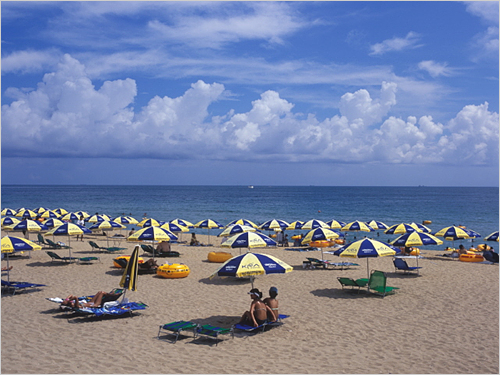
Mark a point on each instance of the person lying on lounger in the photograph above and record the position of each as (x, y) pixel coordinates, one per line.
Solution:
(163, 247)
(257, 315)
(96, 301)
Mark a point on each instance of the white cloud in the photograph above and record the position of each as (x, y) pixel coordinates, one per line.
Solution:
(396, 44)
(487, 10)
(69, 116)
(29, 61)
(435, 69)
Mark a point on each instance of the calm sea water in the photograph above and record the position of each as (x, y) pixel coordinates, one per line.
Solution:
(476, 208)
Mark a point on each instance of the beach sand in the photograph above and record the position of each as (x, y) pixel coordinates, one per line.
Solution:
(443, 321)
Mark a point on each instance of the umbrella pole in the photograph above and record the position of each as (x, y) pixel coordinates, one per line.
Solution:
(252, 278)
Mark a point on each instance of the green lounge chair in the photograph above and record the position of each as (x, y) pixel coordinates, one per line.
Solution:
(56, 256)
(378, 283)
(105, 249)
(213, 332)
(347, 281)
(41, 240)
(54, 245)
(177, 327)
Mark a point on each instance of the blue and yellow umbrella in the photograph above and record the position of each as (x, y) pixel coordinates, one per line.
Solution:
(295, 225)
(8, 212)
(174, 227)
(152, 234)
(251, 265)
(9, 221)
(249, 240)
(319, 234)
(313, 224)
(51, 223)
(98, 218)
(235, 229)
(209, 224)
(149, 223)
(129, 277)
(82, 213)
(416, 239)
(11, 244)
(26, 213)
(184, 223)
(40, 210)
(28, 226)
(127, 220)
(70, 216)
(492, 237)
(400, 229)
(367, 248)
(453, 233)
(336, 224)
(49, 214)
(356, 226)
(60, 211)
(68, 229)
(274, 224)
(377, 225)
(421, 227)
(242, 222)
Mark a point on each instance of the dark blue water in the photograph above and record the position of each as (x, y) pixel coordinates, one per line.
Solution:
(476, 208)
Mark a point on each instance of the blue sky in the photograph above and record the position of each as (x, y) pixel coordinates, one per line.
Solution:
(251, 93)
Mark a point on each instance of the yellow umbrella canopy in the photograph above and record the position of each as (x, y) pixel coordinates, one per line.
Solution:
(8, 212)
(26, 213)
(313, 224)
(152, 234)
(319, 234)
(13, 243)
(174, 227)
(235, 229)
(149, 223)
(49, 214)
(9, 221)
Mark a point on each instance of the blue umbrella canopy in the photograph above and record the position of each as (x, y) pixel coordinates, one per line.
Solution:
(416, 239)
(235, 229)
(295, 225)
(9, 221)
(319, 234)
(356, 226)
(400, 229)
(453, 233)
(242, 222)
(53, 222)
(184, 223)
(377, 225)
(313, 224)
(8, 212)
(249, 240)
(26, 213)
(336, 224)
(421, 227)
(492, 237)
(49, 214)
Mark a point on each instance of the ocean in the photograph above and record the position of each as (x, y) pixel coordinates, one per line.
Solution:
(474, 207)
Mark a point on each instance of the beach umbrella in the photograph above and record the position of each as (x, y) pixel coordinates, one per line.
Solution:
(336, 224)
(68, 229)
(421, 227)
(70, 216)
(106, 225)
(98, 218)
(174, 227)
(400, 229)
(50, 223)
(366, 248)
(377, 225)
(295, 225)
(319, 234)
(60, 211)
(8, 212)
(235, 229)
(416, 239)
(82, 213)
(251, 265)
(28, 226)
(184, 223)
(9, 221)
(49, 214)
(242, 222)
(11, 244)
(356, 226)
(492, 237)
(130, 274)
(126, 220)
(149, 223)
(249, 240)
(453, 233)
(26, 213)
(209, 224)
(274, 224)
(313, 224)
(152, 234)
(40, 210)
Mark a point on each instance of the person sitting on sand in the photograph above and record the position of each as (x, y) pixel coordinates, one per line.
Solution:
(150, 264)
(163, 247)
(95, 301)
(194, 241)
(272, 302)
(462, 250)
(257, 315)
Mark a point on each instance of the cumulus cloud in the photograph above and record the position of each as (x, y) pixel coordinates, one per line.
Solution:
(29, 61)
(396, 44)
(68, 116)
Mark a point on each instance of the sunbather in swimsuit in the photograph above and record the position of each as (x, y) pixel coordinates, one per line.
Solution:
(272, 302)
(258, 313)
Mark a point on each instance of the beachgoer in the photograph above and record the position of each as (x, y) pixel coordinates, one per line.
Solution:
(407, 250)
(131, 232)
(257, 315)
(163, 247)
(80, 222)
(150, 264)
(279, 238)
(462, 250)
(7, 268)
(272, 302)
(95, 301)
(285, 241)
(194, 241)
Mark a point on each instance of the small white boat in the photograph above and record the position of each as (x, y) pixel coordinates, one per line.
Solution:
(250, 186)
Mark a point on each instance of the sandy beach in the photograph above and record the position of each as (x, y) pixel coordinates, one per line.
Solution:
(443, 321)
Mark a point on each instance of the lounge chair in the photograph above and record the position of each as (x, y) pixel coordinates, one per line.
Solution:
(400, 264)
(54, 245)
(378, 283)
(15, 286)
(490, 256)
(347, 281)
(114, 295)
(213, 332)
(55, 256)
(105, 249)
(176, 328)
(114, 310)
(262, 327)
(41, 240)
(316, 263)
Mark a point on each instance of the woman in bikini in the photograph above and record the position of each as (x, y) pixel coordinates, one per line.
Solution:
(272, 302)
(258, 313)
(95, 301)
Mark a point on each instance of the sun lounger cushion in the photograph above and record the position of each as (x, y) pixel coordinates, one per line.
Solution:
(119, 309)
(18, 285)
(248, 328)
(177, 327)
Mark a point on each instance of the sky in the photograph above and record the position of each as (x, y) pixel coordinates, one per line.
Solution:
(250, 93)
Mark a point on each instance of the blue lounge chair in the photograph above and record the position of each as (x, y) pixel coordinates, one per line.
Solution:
(378, 284)
(15, 286)
(175, 328)
(400, 264)
(115, 310)
(262, 327)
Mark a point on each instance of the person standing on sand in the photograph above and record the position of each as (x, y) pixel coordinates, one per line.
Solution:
(80, 222)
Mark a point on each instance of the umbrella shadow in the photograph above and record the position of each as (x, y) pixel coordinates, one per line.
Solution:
(398, 275)
(340, 293)
(226, 280)
(115, 272)
(48, 264)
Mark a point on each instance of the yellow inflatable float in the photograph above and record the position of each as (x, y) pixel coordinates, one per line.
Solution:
(471, 258)
(218, 256)
(321, 243)
(173, 271)
(426, 222)
(127, 257)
